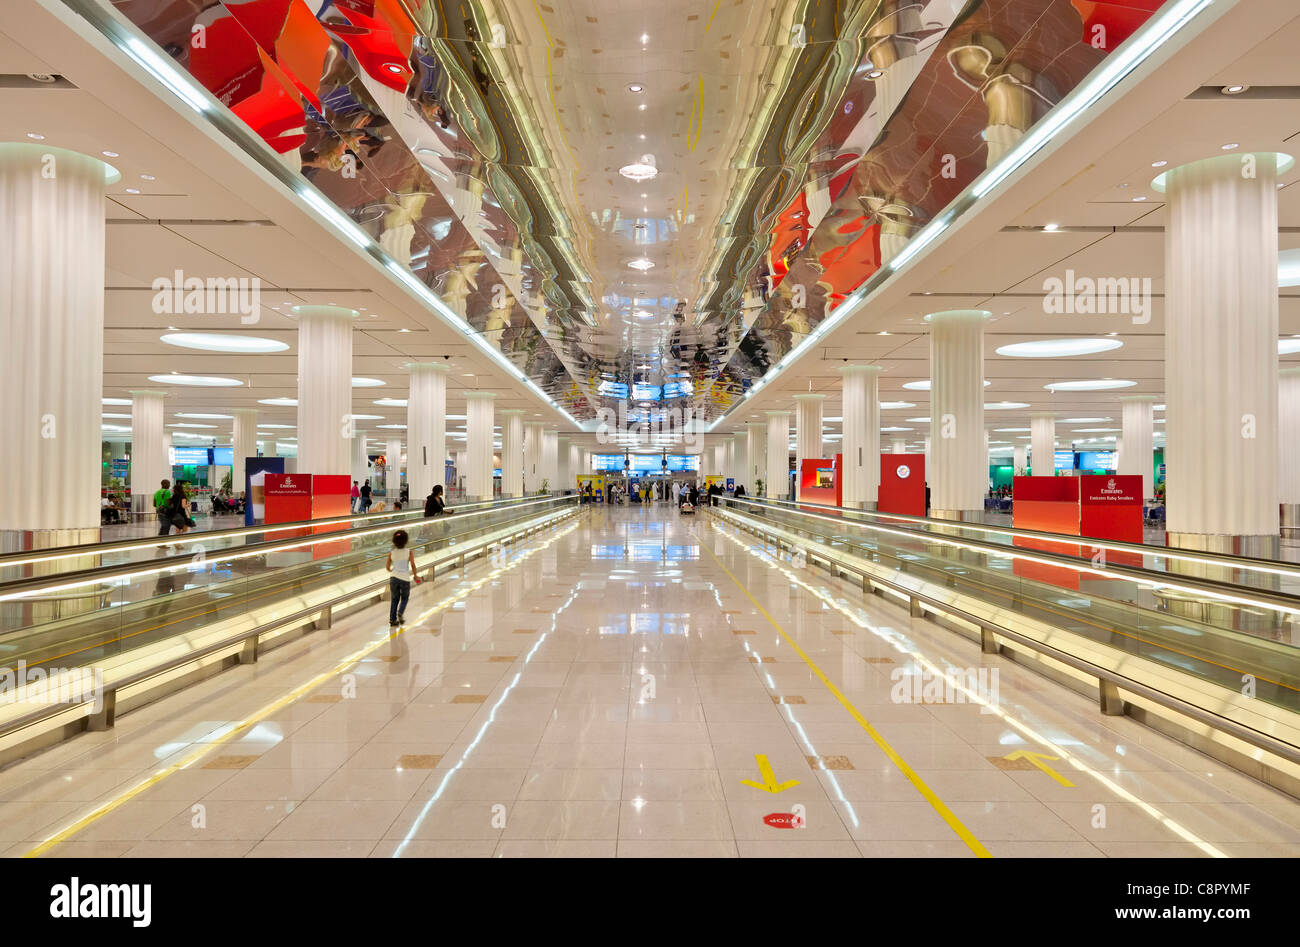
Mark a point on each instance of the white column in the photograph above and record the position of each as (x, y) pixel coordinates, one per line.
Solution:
(777, 477)
(959, 472)
(361, 459)
(739, 457)
(52, 351)
(898, 445)
(755, 455)
(1042, 444)
(534, 469)
(807, 431)
(861, 444)
(575, 467)
(1138, 455)
(150, 462)
(550, 458)
(393, 472)
(512, 452)
(426, 429)
(1019, 460)
(243, 444)
(1221, 370)
(562, 476)
(1288, 438)
(719, 458)
(478, 446)
(325, 425)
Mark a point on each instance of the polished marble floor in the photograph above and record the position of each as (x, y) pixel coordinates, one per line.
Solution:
(634, 683)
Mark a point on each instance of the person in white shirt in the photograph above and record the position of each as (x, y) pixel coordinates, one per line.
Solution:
(401, 563)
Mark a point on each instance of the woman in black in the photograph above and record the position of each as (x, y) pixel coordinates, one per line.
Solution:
(433, 504)
(178, 509)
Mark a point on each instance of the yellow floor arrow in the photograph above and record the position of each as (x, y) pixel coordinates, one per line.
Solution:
(769, 783)
(1037, 760)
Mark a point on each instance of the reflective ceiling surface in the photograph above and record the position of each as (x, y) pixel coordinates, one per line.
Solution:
(643, 205)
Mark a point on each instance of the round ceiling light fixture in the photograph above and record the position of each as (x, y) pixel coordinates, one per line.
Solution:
(368, 383)
(1004, 405)
(924, 385)
(279, 402)
(223, 342)
(1095, 384)
(197, 381)
(636, 87)
(1058, 348)
(392, 402)
(642, 169)
(204, 417)
(642, 264)
(1234, 89)
(114, 400)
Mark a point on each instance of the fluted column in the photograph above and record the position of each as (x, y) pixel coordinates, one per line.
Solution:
(550, 459)
(755, 455)
(1288, 438)
(562, 476)
(898, 445)
(778, 455)
(534, 470)
(325, 426)
(575, 466)
(1042, 444)
(807, 432)
(243, 442)
(1019, 460)
(1221, 371)
(1138, 454)
(958, 471)
(426, 428)
(739, 454)
(512, 452)
(361, 459)
(52, 350)
(719, 458)
(478, 445)
(861, 444)
(393, 472)
(150, 461)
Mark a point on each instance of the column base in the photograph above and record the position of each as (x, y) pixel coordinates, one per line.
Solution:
(1256, 547)
(1289, 515)
(23, 540)
(959, 516)
(868, 506)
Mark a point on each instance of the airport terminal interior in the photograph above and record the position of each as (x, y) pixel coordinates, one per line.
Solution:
(687, 429)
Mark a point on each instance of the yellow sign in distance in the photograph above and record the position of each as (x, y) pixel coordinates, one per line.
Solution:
(1037, 760)
(769, 783)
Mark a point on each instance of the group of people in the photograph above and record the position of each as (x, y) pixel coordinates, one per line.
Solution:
(361, 497)
(172, 507)
(112, 509)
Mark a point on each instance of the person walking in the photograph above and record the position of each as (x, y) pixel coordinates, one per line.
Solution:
(401, 563)
(356, 495)
(161, 496)
(365, 497)
(178, 509)
(434, 504)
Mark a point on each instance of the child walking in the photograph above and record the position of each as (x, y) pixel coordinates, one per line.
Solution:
(401, 563)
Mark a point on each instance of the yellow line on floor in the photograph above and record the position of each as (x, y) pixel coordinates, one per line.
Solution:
(275, 706)
(931, 797)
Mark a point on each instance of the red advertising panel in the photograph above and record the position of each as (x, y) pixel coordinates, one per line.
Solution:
(288, 500)
(818, 481)
(331, 495)
(1110, 507)
(1049, 505)
(902, 484)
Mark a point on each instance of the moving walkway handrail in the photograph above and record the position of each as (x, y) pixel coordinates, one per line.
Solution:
(108, 698)
(1281, 601)
(1224, 559)
(144, 542)
(1104, 675)
(16, 589)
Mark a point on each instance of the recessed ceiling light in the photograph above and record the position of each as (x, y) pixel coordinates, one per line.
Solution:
(1083, 420)
(197, 381)
(110, 154)
(1051, 228)
(1010, 430)
(114, 400)
(222, 342)
(1234, 89)
(367, 417)
(279, 402)
(133, 190)
(924, 385)
(392, 427)
(641, 264)
(392, 402)
(204, 417)
(279, 427)
(1288, 346)
(1096, 384)
(891, 405)
(1096, 430)
(1158, 164)
(636, 87)
(1229, 146)
(1057, 348)
(1004, 405)
(403, 330)
(147, 177)
(645, 38)
(882, 332)
(35, 137)
(1138, 199)
(641, 107)
(187, 424)
(642, 169)
(642, 137)
(107, 415)
(368, 383)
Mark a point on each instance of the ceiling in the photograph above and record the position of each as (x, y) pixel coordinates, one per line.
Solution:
(798, 148)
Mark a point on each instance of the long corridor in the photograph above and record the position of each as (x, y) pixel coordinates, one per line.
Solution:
(634, 682)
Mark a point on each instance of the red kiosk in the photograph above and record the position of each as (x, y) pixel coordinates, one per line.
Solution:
(902, 484)
(291, 498)
(820, 481)
(1097, 507)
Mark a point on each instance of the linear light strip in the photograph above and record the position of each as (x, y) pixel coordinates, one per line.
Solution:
(1136, 51)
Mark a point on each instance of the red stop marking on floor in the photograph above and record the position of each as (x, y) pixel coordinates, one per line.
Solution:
(781, 820)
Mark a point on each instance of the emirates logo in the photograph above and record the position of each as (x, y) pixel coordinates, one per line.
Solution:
(289, 484)
(1110, 484)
